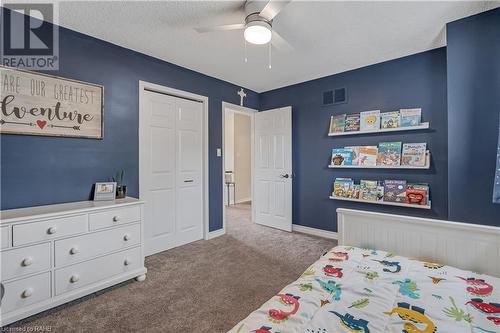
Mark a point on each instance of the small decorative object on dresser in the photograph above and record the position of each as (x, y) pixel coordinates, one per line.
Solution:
(121, 190)
(53, 254)
(105, 191)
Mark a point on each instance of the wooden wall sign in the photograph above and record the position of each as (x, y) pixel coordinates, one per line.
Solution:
(40, 104)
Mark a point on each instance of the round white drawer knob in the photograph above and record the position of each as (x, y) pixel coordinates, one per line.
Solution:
(27, 293)
(127, 262)
(116, 218)
(73, 250)
(52, 230)
(74, 278)
(127, 237)
(27, 262)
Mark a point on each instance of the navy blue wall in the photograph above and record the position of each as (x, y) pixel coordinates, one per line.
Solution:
(473, 113)
(415, 81)
(39, 170)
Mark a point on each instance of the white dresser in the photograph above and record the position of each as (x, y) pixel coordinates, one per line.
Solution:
(53, 254)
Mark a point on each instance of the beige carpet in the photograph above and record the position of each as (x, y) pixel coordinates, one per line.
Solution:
(205, 286)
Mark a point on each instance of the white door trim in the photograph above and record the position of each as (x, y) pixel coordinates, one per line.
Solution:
(143, 86)
(248, 112)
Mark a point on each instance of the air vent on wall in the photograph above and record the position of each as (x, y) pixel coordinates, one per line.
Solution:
(336, 96)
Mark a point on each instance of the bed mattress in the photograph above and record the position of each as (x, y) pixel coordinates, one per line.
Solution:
(364, 290)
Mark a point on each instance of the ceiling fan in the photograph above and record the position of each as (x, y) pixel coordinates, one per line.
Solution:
(258, 24)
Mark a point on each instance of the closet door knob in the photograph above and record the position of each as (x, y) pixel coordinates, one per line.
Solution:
(74, 278)
(73, 250)
(52, 230)
(27, 293)
(26, 262)
(127, 262)
(127, 237)
(116, 218)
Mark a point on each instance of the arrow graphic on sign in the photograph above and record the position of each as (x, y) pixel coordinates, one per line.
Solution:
(76, 128)
(15, 122)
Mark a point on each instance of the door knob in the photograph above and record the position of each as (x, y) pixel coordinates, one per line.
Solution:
(285, 175)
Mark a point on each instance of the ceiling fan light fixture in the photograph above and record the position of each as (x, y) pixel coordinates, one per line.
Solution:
(258, 32)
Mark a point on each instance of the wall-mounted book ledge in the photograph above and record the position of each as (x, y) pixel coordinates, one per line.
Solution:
(426, 166)
(422, 126)
(387, 203)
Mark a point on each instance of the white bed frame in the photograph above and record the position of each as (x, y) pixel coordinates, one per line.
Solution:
(466, 246)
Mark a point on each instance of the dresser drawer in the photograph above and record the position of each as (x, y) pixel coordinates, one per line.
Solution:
(97, 270)
(5, 240)
(113, 217)
(25, 292)
(72, 250)
(50, 229)
(26, 260)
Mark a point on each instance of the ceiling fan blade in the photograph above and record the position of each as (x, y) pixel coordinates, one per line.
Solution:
(280, 43)
(226, 27)
(273, 8)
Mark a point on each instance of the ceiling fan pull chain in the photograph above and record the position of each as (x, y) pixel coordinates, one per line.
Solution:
(246, 58)
(270, 66)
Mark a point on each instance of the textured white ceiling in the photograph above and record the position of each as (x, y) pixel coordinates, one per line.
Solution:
(328, 37)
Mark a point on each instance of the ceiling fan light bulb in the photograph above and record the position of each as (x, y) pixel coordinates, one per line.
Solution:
(258, 33)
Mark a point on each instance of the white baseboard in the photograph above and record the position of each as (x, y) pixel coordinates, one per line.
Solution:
(314, 231)
(243, 200)
(216, 233)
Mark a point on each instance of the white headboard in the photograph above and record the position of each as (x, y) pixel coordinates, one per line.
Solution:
(466, 246)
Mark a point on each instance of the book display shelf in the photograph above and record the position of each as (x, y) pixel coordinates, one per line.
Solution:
(399, 204)
(386, 155)
(422, 126)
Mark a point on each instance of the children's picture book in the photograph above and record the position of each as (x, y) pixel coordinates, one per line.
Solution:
(389, 119)
(410, 117)
(389, 153)
(352, 122)
(355, 154)
(417, 194)
(414, 154)
(370, 120)
(341, 156)
(337, 123)
(355, 191)
(380, 192)
(368, 190)
(395, 191)
(367, 155)
(343, 187)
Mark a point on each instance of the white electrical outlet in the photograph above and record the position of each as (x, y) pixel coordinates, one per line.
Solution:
(219, 152)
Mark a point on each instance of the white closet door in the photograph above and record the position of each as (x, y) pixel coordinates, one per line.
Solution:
(189, 171)
(273, 168)
(170, 171)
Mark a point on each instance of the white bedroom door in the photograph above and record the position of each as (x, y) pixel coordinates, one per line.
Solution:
(273, 168)
(171, 165)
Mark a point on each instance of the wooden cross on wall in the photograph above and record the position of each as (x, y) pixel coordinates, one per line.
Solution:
(242, 94)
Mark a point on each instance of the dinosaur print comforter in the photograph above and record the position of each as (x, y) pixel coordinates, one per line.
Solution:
(362, 290)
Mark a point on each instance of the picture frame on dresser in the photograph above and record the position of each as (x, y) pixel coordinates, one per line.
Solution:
(105, 191)
(54, 254)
